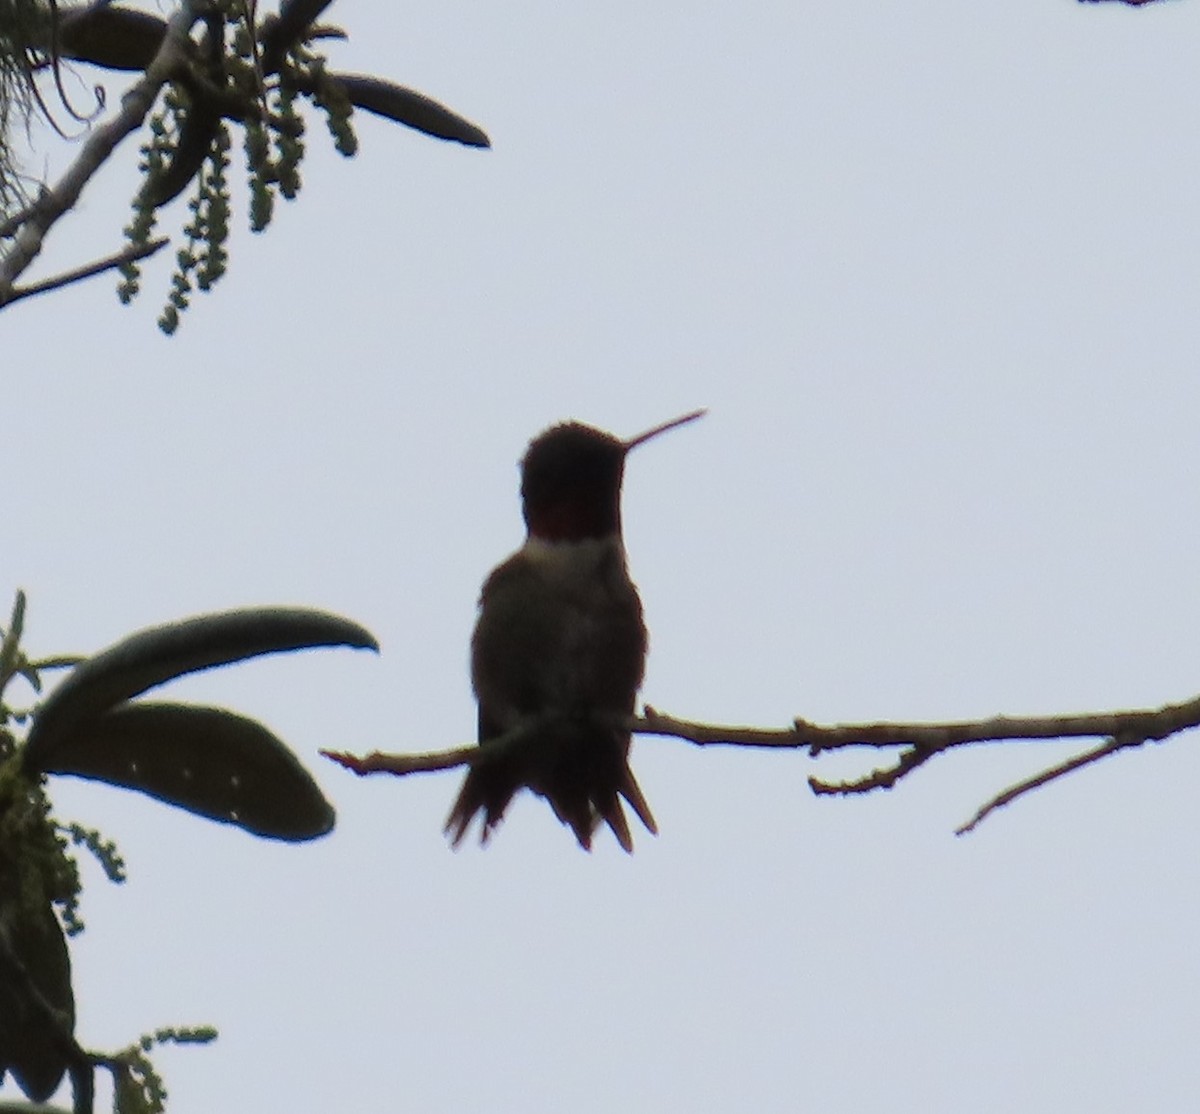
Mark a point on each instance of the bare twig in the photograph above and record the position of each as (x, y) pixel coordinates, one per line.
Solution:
(377, 762)
(128, 254)
(883, 778)
(100, 144)
(922, 741)
(705, 734)
(1038, 780)
(935, 737)
(917, 742)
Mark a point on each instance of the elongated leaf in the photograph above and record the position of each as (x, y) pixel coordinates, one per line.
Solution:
(37, 1006)
(158, 654)
(207, 760)
(110, 36)
(407, 106)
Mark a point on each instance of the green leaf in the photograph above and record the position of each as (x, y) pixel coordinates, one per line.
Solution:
(115, 38)
(207, 760)
(159, 654)
(37, 1006)
(407, 106)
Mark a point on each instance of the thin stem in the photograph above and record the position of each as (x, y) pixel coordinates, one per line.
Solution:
(129, 254)
(918, 744)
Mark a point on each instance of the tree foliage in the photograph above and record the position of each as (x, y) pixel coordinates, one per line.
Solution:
(209, 761)
(212, 67)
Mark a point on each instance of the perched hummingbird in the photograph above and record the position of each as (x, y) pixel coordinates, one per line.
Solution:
(560, 634)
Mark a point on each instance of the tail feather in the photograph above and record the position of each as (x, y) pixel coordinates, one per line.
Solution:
(583, 778)
(485, 789)
(576, 812)
(632, 792)
(584, 793)
(614, 816)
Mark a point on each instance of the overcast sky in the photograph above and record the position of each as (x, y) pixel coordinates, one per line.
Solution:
(933, 269)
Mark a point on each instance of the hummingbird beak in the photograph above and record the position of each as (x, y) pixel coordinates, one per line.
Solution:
(641, 438)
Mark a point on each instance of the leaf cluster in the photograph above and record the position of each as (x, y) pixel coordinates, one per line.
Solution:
(210, 761)
(213, 66)
(250, 73)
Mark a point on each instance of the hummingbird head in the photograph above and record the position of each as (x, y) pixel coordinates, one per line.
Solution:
(571, 480)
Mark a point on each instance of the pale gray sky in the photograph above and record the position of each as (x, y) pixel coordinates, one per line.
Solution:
(932, 268)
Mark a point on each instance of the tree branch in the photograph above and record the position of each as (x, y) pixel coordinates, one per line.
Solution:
(1038, 780)
(131, 253)
(100, 144)
(378, 762)
(935, 737)
(917, 742)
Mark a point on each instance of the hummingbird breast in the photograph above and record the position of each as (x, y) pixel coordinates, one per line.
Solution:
(560, 628)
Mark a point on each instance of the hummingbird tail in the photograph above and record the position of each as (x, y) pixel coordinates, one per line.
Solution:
(582, 802)
(584, 785)
(486, 789)
(611, 812)
(632, 792)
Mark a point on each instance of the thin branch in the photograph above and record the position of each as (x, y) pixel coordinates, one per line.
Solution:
(399, 765)
(918, 743)
(131, 253)
(882, 778)
(1147, 723)
(379, 762)
(705, 734)
(1038, 780)
(100, 144)
(922, 741)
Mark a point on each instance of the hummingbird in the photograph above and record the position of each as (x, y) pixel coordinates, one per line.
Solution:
(560, 644)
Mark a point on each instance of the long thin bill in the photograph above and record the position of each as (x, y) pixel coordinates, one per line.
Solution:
(633, 442)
